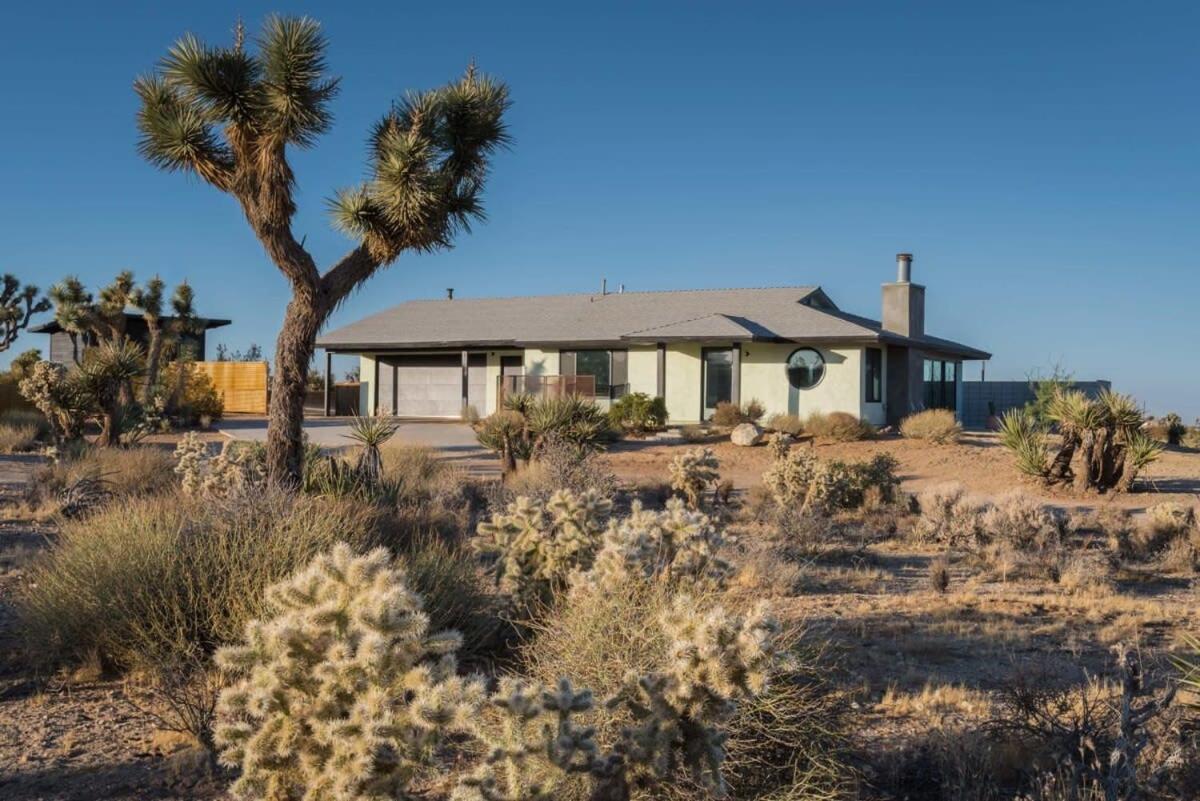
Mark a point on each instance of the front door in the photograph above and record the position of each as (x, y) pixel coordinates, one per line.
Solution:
(716, 379)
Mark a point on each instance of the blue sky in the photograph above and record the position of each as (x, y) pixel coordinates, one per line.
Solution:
(1041, 161)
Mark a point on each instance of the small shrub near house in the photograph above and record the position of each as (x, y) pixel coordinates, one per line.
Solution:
(932, 425)
(785, 424)
(728, 415)
(798, 480)
(638, 413)
(838, 426)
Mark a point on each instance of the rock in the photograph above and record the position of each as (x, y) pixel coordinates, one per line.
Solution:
(746, 434)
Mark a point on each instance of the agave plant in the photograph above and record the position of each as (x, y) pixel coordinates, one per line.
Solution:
(371, 433)
(1021, 433)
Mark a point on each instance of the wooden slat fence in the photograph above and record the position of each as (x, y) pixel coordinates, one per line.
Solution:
(242, 385)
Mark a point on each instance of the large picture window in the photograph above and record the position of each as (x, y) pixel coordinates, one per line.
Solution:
(873, 378)
(941, 384)
(596, 363)
(805, 368)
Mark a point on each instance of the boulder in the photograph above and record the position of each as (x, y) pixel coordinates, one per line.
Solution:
(746, 434)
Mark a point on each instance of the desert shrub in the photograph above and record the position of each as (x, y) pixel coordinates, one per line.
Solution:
(17, 438)
(1169, 429)
(522, 427)
(676, 546)
(340, 689)
(61, 397)
(122, 473)
(534, 547)
(692, 473)
(782, 743)
(240, 468)
(798, 478)
(1191, 438)
(454, 591)
(371, 433)
(161, 576)
(939, 575)
(947, 516)
(838, 426)
(1015, 521)
(637, 413)
(1167, 532)
(785, 424)
(561, 465)
(934, 425)
(728, 415)
(1087, 573)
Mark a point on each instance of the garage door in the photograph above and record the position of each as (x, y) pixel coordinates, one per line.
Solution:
(429, 386)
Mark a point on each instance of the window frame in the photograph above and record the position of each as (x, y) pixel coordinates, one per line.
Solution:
(873, 375)
(787, 368)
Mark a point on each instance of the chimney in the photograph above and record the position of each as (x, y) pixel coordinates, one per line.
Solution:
(904, 301)
(449, 293)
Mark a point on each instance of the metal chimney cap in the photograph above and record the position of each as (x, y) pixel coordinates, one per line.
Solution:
(903, 257)
(903, 268)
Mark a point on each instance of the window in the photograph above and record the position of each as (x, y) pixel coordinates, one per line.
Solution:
(597, 363)
(873, 380)
(941, 390)
(805, 368)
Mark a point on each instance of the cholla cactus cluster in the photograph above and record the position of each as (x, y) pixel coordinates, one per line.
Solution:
(715, 660)
(797, 477)
(232, 473)
(674, 545)
(343, 693)
(692, 473)
(537, 546)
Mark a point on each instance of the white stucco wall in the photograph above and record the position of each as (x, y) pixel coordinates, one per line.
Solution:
(642, 364)
(764, 377)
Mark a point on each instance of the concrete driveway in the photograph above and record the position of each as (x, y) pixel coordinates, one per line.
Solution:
(453, 441)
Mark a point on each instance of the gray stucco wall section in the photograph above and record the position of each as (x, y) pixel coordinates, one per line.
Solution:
(978, 396)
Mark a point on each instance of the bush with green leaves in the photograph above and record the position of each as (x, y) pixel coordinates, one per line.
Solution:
(638, 413)
(693, 472)
(534, 547)
(939, 426)
(714, 662)
(340, 690)
(526, 423)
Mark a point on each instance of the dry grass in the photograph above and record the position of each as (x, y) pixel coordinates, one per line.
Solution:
(934, 704)
(136, 472)
(933, 425)
(17, 438)
(838, 426)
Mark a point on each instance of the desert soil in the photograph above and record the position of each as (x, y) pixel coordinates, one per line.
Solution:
(979, 463)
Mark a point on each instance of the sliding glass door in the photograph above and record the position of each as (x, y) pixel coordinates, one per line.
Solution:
(717, 378)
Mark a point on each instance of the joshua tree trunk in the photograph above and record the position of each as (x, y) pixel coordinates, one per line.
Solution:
(153, 357)
(1060, 468)
(293, 352)
(1087, 449)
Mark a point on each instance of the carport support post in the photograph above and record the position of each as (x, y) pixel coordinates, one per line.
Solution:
(662, 370)
(735, 389)
(466, 374)
(328, 370)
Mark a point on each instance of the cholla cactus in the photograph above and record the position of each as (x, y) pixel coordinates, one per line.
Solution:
(715, 660)
(798, 478)
(675, 545)
(790, 475)
(343, 692)
(692, 472)
(238, 469)
(779, 445)
(538, 546)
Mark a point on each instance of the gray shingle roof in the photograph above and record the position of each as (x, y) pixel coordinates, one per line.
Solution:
(767, 314)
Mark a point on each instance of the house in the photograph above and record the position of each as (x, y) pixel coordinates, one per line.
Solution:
(65, 350)
(791, 348)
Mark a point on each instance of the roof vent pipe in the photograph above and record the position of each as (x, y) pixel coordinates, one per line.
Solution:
(903, 268)
(620, 289)
(449, 293)
(603, 286)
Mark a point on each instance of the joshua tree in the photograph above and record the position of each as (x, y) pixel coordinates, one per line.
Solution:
(228, 115)
(149, 300)
(17, 305)
(82, 316)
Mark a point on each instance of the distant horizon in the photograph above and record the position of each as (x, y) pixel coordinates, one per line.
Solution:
(1045, 187)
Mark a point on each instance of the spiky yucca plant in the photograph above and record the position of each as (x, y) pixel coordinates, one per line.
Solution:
(228, 114)
(1021, 433)
(537, 546)
(343, 692)
(371, 433)
(692, 473)
(106, 374)
(715, 661)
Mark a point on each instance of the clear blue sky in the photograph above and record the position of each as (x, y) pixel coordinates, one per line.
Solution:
(1040, 159)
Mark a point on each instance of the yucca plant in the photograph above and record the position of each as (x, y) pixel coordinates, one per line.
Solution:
(228, 114)
(1021, 433)
(371, 433)
(107, 374)
(1189, 667)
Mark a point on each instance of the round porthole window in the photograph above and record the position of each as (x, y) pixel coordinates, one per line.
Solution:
(805, 368)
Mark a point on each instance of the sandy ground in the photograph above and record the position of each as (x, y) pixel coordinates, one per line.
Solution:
(978, 462)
